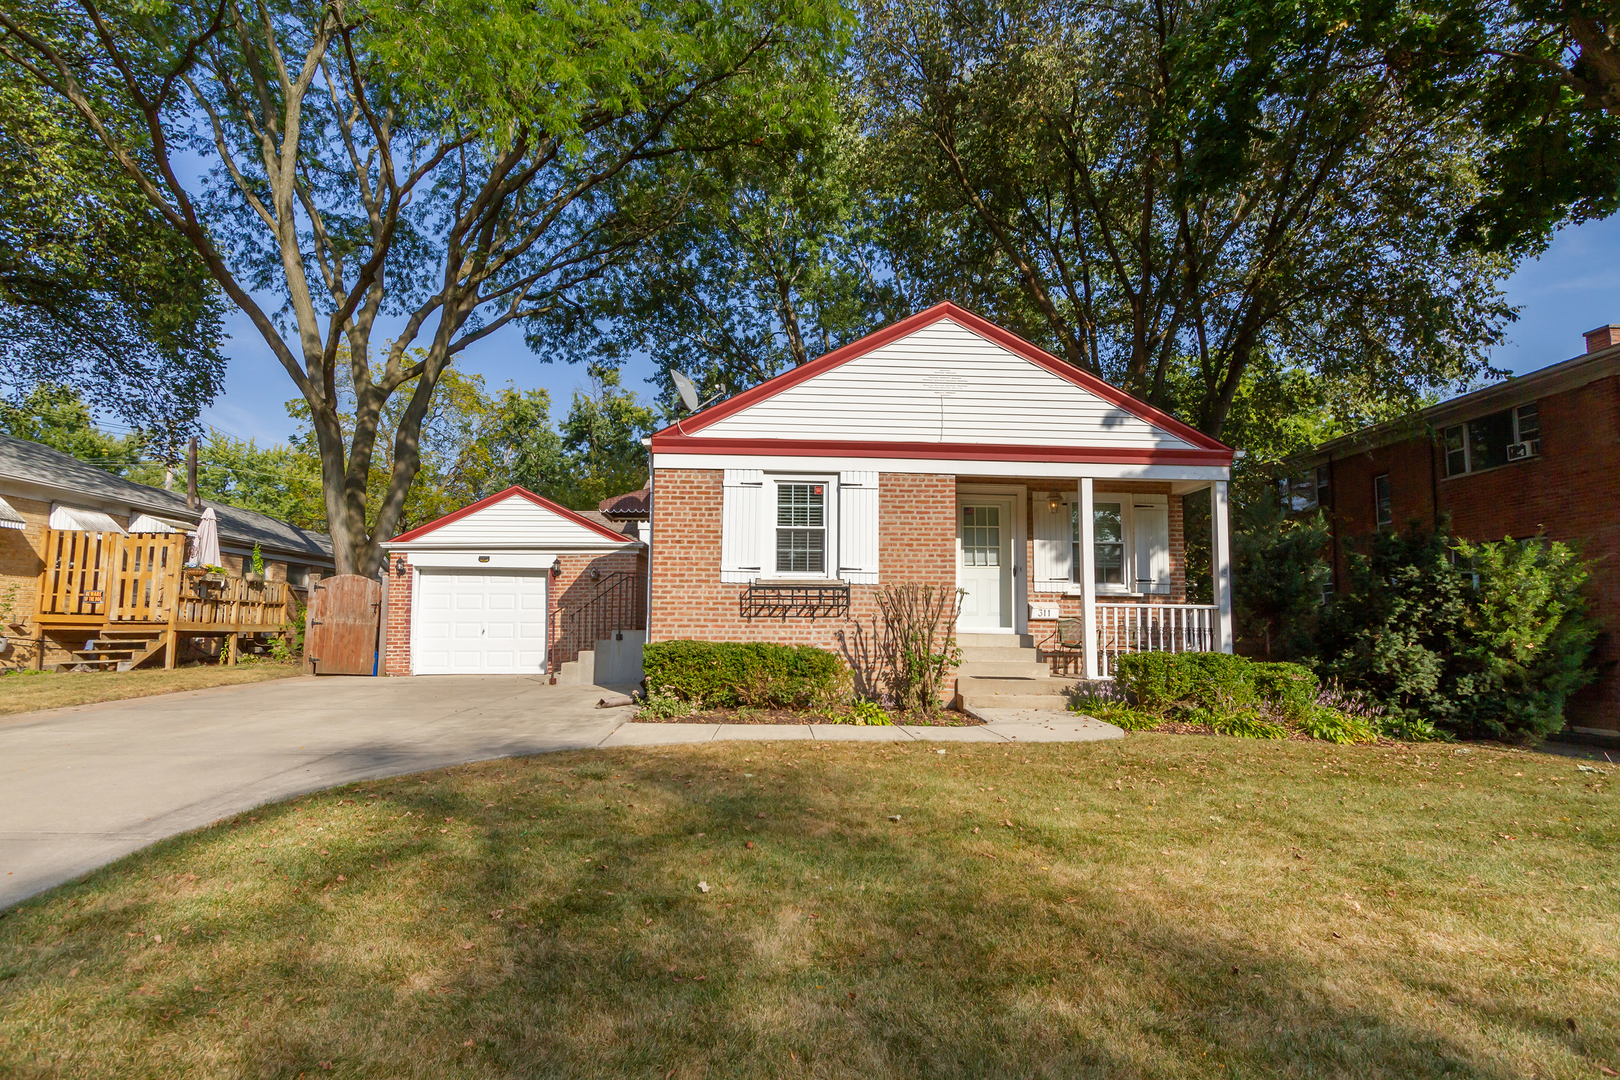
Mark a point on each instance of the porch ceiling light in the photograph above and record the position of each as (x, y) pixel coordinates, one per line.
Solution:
(1054, 499)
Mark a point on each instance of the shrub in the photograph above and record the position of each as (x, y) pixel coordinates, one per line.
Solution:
(1106, 700)
(661, 704)
(919, 642)
(869, 714)
(1483, 639)
(722, 674)
(1162, 681)
(1278, 574)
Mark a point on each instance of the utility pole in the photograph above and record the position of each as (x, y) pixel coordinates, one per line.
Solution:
(191, 474)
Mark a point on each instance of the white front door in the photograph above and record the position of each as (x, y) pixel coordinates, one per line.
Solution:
(984, 563)
(471, 623)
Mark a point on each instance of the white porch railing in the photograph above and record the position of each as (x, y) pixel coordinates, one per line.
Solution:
(1129, 628)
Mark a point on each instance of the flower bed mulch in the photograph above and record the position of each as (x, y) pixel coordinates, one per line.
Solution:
(944, 718)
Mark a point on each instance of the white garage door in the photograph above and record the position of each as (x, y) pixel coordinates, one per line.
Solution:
(470, 623)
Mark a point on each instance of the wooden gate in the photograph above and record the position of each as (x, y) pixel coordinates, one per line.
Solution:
(340, 636)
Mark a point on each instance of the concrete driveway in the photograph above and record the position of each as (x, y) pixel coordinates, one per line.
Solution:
(80, 787)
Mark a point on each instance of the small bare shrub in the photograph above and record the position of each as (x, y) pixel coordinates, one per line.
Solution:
(919, 642)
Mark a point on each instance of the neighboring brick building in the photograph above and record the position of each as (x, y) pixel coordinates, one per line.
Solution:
(1535, 454)
(943, 451)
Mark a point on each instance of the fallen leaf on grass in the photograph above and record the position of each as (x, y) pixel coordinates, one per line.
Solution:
(703, 886)
(73, 972)
(469, 1042)
(750, 844)
(1071, 899)
(467, 945)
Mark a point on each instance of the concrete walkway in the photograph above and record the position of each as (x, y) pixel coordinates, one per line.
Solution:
(81, 787)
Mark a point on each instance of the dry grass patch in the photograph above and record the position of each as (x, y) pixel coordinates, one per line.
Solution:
(32, 691)
(1160, 906)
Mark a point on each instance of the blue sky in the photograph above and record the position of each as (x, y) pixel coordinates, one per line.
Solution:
(1570, 289)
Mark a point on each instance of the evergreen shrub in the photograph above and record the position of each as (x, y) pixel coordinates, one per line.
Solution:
(724, 674)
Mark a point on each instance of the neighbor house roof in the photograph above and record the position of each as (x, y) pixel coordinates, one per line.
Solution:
(631, 506)
(65, 478)
(1515, 390)
(889, 394)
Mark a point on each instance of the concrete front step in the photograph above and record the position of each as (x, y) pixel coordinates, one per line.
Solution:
(1039, 702)
(995, 641)
(1035, 684)
(1004, 669)
(981, 652)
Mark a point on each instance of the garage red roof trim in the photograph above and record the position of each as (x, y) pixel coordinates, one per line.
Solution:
(511, 492)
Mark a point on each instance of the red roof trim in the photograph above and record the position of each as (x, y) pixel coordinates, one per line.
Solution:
(538, 500)
(979, 325)
(1099, 455)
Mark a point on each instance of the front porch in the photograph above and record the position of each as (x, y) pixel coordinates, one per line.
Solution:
(1086, 569)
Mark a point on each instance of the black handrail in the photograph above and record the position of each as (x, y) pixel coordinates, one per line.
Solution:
(615, 606)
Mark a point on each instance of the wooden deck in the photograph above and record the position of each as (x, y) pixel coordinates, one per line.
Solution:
(137, 587)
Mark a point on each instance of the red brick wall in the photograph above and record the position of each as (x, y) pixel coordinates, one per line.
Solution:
(916, 542)
(570, 589)
(1569, 492)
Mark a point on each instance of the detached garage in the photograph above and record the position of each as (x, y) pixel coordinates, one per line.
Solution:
(512, 585)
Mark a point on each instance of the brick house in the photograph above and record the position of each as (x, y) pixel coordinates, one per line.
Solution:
(516, 584)
(1534, 454)
(941, 450)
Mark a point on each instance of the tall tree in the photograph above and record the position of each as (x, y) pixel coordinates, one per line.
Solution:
(601, 444)
(1163, 186)
(56, 416)
(97, 293)
(770, 264)
(449, 167)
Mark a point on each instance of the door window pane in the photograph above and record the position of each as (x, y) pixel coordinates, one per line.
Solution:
(801, 533)
(1108, 542)
(981, 536)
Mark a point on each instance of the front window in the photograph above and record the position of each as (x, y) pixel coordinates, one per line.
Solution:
(1108, 542)
(801, 528)
(1382, 506)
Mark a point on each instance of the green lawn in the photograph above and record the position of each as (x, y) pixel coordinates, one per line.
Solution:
(1160, 906)
(34, 690)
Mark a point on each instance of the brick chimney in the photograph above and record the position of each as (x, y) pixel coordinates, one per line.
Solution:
(1602, 337)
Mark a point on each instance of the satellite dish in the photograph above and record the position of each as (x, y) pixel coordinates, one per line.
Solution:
(684, 387)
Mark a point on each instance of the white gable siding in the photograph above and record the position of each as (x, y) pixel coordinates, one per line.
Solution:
(513, 521)
(944, 383)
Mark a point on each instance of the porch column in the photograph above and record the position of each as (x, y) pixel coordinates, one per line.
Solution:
(1088, 579)
(1221, 555)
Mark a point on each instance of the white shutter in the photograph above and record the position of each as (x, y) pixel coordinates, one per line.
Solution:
(740, 525)
(1151, 520)
(858, 527)
(1054, 539)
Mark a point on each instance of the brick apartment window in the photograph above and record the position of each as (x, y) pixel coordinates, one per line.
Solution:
(1492, 441)
(1323, 495)
(1383, 509)
(801, 528)
(1305, 491)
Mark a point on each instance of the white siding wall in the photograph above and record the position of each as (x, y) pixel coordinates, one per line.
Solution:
(944, 383)
(516, 520)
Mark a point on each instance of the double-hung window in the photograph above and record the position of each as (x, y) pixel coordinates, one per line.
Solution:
(1108, 543)
(801, 528)
(1383, 506)
(1304, 492)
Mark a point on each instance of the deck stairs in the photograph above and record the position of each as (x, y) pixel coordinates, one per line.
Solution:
(1005, 671)
(116, 650)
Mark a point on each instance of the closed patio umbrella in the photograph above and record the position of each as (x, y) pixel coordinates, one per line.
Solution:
(205, 551)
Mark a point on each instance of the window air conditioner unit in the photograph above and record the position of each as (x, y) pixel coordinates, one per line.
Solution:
(1520, 450)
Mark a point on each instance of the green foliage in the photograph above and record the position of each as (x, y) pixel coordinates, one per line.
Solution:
(721, 674)
(1232, 695)
(664, 704)
(1278, 574)
(1501, 659)
(602, 453)
(869, 714)
(98, 294)
(257, 564)
(56, 416)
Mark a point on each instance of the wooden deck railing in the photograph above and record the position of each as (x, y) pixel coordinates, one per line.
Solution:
(92, 578)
